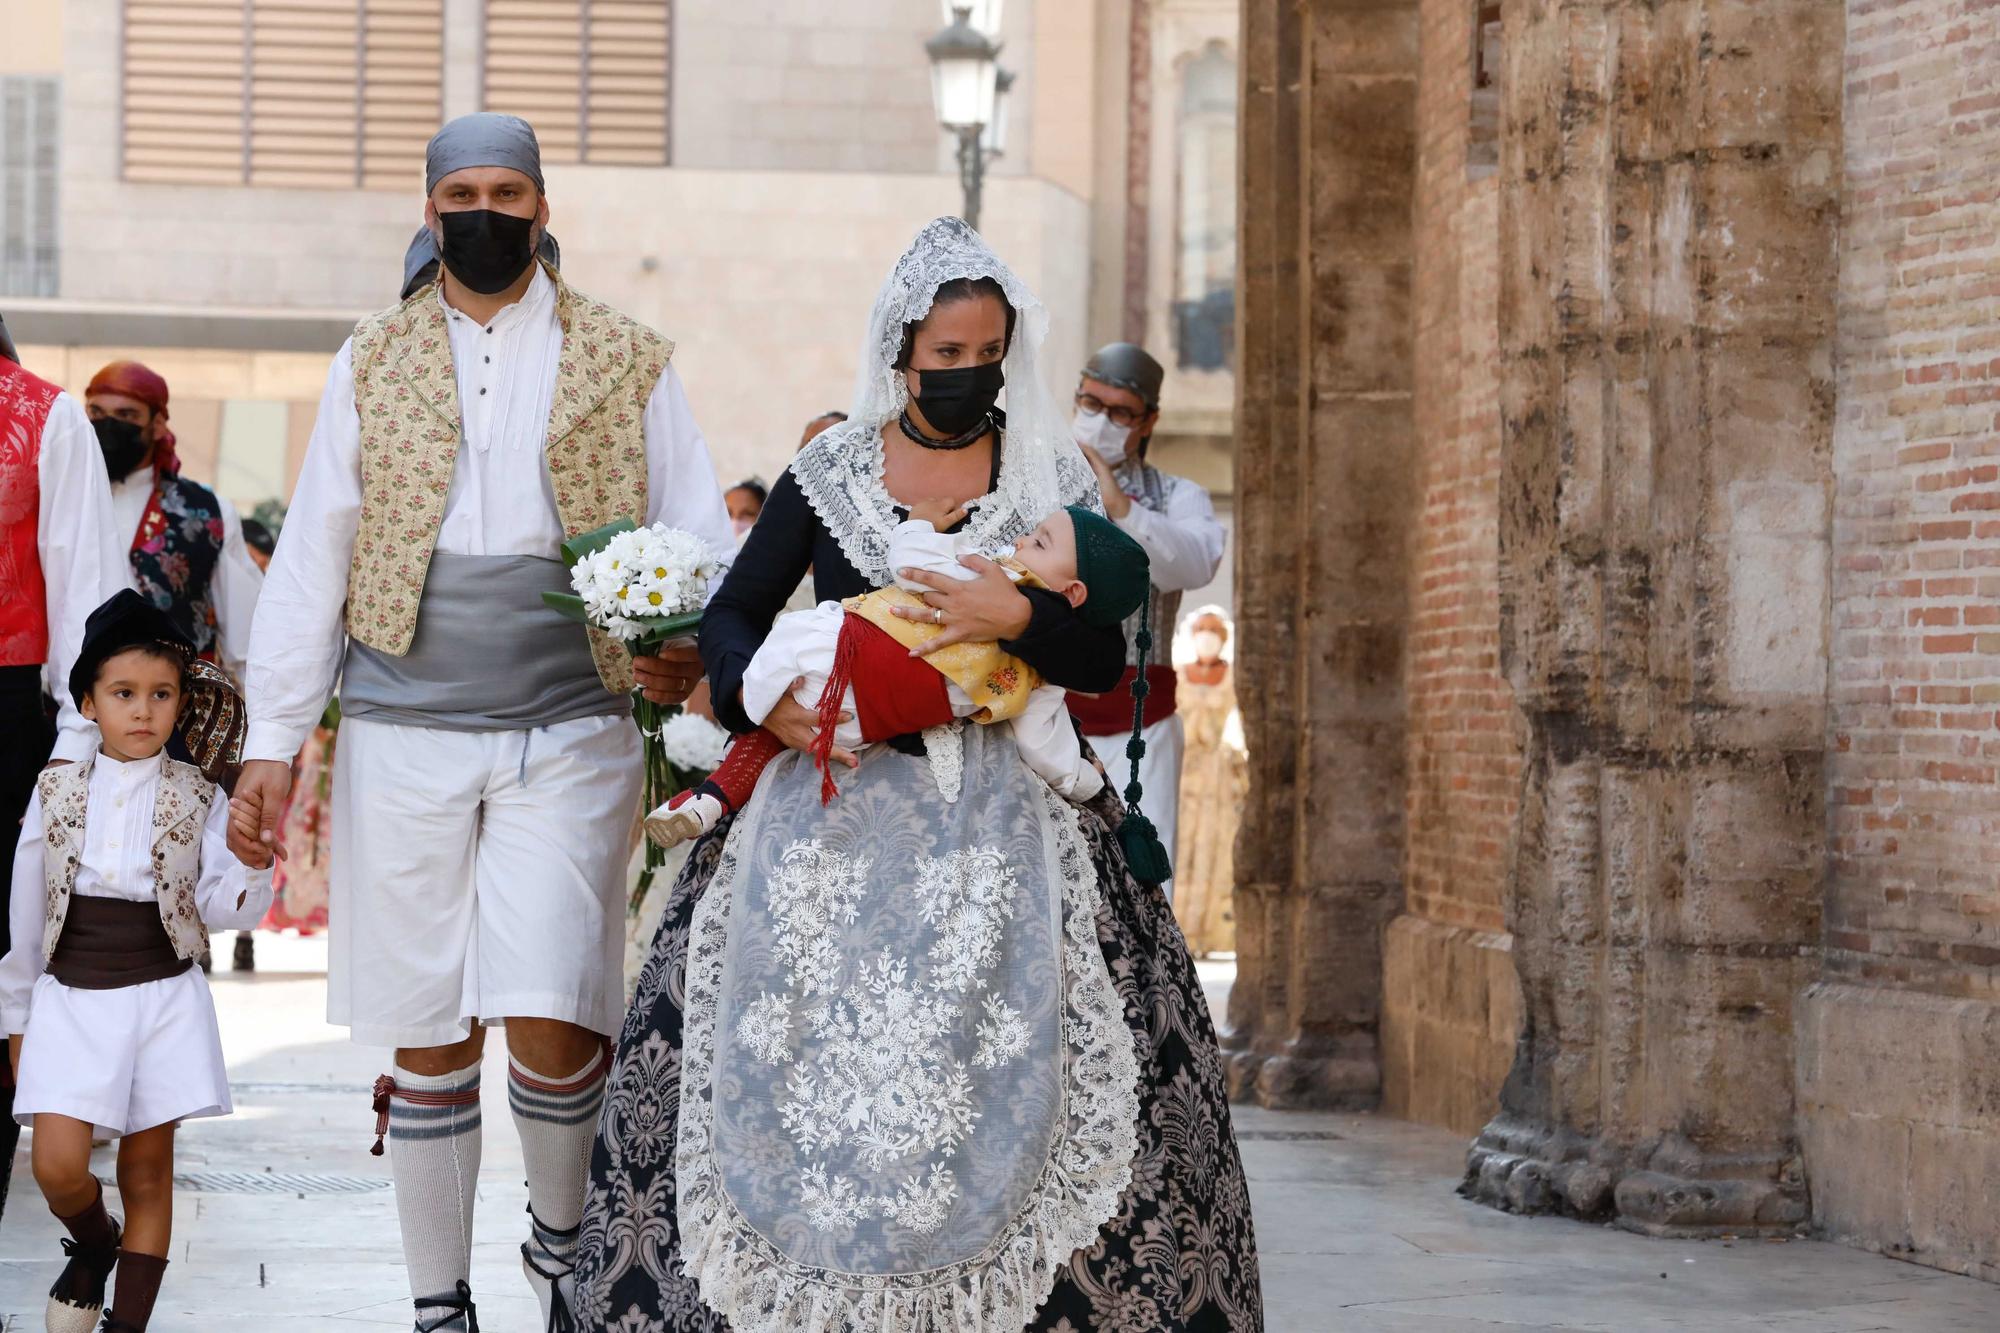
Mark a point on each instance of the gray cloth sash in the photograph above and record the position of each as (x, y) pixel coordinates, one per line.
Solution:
(489, 654)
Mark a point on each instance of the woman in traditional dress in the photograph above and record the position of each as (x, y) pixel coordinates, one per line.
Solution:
(1214, 776)
(925, 1057)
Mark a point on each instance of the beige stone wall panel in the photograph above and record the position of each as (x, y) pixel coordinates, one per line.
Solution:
(1663, 895)
(1325, 423)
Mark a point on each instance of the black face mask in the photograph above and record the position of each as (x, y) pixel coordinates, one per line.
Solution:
(954, 401)
(125, 446)
(486, 250)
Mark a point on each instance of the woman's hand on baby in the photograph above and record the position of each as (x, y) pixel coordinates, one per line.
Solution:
(941, 514)
(987, 609)
(798, 726)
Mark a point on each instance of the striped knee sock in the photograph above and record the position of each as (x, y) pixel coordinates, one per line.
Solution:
(557, 1118)
(434, 1143)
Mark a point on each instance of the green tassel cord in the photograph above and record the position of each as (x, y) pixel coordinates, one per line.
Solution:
(1144, 852)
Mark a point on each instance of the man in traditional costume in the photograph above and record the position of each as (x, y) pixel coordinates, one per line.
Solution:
(188, 555)
(487, 782)
(1117, 410)
(59, 558)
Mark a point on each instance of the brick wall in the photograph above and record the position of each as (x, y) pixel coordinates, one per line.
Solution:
(1915, 894)
(1897, 1046)
(1464, 758)
(1452, 1009)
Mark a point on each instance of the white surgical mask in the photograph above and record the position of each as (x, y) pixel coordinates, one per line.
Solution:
(1098, 433)
(1207, 645)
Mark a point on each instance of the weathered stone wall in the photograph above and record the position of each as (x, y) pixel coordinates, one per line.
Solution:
(1451, 1002)
(1325, 429)
(1669, 179)
(1900, 1046)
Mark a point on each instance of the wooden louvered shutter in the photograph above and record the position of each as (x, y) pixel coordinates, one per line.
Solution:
(402, 89)
(303, 78)
(184, 86)
(323, 93)
(590, 75)
(625, 91)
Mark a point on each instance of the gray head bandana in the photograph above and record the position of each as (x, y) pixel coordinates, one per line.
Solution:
(483, 139)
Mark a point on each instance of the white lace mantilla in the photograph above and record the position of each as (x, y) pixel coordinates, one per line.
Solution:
(1041, 469)
(891, 1119)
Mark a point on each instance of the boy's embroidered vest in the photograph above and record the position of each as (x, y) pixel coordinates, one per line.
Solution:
(406, 393)
(178, 816)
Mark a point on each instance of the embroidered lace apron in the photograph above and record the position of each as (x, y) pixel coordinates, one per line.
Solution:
(909, 1092)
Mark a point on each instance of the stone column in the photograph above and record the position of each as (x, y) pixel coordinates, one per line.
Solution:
(1670, 175)
(1324, 431)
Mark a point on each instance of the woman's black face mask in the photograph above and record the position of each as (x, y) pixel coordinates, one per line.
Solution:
(954, 401)
(486, 250)
(125, 446)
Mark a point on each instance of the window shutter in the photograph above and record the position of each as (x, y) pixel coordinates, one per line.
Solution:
(303, 78)
(590, 75)
(185, 86)
(325, 93)
(402, 89)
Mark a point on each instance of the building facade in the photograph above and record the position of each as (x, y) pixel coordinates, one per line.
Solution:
(221, 187)
(1624, 768)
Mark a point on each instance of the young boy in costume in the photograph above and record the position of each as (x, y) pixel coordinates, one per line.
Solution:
(122, 859)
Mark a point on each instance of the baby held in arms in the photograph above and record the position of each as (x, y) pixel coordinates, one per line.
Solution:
(853, 658)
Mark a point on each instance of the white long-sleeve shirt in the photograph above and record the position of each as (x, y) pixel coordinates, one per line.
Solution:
(83, 562)
(1184, 540)
(500, 502)
(232, 589)
(117, 862)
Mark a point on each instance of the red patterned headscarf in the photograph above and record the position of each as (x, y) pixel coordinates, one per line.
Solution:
(136, 381)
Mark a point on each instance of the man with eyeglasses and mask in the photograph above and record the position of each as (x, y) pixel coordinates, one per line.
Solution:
(1117, 410)
(488, 776)
(185, 542)
(60, 557)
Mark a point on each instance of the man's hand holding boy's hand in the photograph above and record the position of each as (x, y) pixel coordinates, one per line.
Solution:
(255, 810)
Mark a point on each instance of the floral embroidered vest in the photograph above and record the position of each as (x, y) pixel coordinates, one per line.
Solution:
(175, 552)
(406, 393)
(25, 401)
(179, 813)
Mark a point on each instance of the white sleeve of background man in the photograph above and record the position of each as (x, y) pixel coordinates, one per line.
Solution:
(681, 489)
(83, 561)
(297, 637)
(22, 966)
(1046, 738)
(234, 588)
(1184, 544)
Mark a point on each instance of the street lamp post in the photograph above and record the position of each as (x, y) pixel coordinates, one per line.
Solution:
(969, 88)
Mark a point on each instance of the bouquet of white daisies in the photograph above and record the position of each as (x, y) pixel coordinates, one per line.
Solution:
(644, 587)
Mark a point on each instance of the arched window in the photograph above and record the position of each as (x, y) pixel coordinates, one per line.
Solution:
(1205, 281)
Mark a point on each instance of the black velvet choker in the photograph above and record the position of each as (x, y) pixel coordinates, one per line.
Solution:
(965, 441)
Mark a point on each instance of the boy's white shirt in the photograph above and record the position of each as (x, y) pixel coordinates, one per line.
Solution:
(1043, 732)
(117, 862)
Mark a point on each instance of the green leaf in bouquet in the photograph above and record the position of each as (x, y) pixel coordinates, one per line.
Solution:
(589, 543)
(569, 604)
(667, 628)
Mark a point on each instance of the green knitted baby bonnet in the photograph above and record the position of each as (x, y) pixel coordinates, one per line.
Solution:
(1111, 565)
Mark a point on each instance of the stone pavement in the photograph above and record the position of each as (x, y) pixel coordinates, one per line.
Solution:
(1361, 1232)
